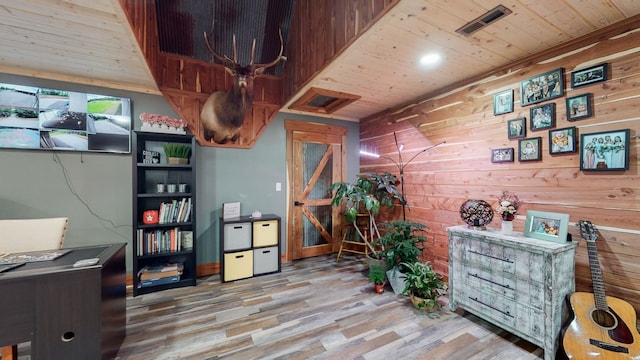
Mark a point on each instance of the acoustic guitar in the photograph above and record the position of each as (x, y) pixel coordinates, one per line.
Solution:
(603, 327)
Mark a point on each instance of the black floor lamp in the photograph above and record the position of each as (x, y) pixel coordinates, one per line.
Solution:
(401, 165)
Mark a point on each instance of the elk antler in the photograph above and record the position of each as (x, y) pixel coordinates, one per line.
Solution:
(274, 62)
(224, 59)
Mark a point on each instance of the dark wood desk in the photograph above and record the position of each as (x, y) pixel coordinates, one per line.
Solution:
(67, 312)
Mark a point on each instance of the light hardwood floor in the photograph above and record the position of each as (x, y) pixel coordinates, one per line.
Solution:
(314, 309)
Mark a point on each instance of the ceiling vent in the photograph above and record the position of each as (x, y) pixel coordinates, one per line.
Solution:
(323, 101)
(487, 18)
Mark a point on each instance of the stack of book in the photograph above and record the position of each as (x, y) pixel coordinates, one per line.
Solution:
(175, 211)
(153, 275)
(157, 241)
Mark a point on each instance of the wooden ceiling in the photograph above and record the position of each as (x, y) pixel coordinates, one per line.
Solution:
(90, 42)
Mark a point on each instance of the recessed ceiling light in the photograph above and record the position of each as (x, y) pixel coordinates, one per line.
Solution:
(430, 59)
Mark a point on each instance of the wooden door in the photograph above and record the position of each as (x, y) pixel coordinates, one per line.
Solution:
(316, 158)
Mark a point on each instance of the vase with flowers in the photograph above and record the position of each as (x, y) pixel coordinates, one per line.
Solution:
(508, 204)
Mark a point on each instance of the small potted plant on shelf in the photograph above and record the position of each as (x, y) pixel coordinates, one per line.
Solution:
(423, 285)
(378, 277)
(177, 153)
(401, 242)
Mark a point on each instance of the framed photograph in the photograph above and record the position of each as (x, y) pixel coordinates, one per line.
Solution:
(530, 149)
(607, 150)
(542, 117)
(503, 102)
(578, 107)
(562, 141)
(547, 226)
(502, 155)
(592, 75)
(517, 128)
(542, 87)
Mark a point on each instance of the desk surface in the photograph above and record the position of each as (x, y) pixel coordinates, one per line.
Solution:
(64, 262)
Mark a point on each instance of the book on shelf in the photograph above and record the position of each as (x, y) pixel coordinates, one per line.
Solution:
(151, 272)
(159, 281)
(186, 240)
(176, 211)
(159, 240)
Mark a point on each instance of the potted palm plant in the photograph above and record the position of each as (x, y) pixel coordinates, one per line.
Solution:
(423, 285)
(366, 196)
(378, 277)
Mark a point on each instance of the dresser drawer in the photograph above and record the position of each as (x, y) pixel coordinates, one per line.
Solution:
(497, 282)
(492, 306)
(523, 263)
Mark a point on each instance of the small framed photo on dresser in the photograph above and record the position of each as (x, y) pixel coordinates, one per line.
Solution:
(547, 226)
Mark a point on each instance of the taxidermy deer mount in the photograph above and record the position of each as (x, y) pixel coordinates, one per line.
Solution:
(224, 111)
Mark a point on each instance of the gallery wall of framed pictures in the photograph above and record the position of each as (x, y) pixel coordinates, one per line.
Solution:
(602, 151)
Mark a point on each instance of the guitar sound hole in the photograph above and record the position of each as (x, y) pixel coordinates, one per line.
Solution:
(604, 318)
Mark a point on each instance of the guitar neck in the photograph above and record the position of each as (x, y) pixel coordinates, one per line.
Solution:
(588, 233)
(596, 277)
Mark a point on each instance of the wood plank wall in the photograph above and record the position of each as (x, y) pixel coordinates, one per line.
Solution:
(320, 30)
(439, 181)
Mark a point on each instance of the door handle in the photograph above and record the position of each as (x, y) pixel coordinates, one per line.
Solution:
(298, 203)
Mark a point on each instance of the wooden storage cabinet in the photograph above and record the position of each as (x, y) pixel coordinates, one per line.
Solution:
(512, 281)
(249, 247)
(148, 247)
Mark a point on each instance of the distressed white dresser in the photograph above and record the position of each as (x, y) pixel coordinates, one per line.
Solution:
(512, 281)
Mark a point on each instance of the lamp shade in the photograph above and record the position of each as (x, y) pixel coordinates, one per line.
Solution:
(476, 213)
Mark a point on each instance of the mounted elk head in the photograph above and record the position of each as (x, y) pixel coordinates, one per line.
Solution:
(224, 111)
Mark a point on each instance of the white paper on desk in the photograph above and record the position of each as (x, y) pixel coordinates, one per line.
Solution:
(230, 210)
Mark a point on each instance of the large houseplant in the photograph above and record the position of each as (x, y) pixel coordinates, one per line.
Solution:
(423, 285)
(366, 196)
(401, 242)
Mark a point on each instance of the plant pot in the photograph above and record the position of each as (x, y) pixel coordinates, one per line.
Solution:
(396, 280)
(379, 288)
(422, 304)
(174, 160)
(371, 262)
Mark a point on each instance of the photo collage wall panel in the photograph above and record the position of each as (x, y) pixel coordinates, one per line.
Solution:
(52, 119)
